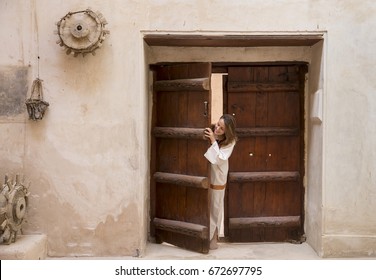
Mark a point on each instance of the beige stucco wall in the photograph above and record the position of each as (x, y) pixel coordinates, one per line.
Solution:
(88, 159)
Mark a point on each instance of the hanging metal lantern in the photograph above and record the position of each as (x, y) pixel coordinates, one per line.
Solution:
(36, 106)
(13, 206)
(81, 32)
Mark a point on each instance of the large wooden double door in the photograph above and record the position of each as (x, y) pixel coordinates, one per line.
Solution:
(264, 195)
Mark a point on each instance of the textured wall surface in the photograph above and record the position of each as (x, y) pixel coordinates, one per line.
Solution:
(13, 89)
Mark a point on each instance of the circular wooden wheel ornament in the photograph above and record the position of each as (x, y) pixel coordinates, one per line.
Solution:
(13, 204)
(81, 32)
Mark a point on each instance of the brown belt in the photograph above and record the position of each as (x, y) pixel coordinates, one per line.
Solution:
(218, 187)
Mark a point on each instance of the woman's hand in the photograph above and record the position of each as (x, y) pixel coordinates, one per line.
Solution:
(209, 134)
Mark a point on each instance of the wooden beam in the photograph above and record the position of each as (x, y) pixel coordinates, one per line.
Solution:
(257, 87)
(179, 132)
(241, 177)
(182, 180)
(198, 84)
(267, 131)
(277, 221)
(185, 228)
(179, 40)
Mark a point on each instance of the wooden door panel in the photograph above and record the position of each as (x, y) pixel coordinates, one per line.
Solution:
(264, 199)
(265, 234)
(265, 186)
(261, 115)
(180, 203)
(279, 109)
(195, 197)
(250, 154)
(186, 107)
(172, 156)
(282, 153)
(281, 199)
(163, 116)
(267, 154)
(245, 157)
(180, 173)
(256, 109)
(171, 202)
(243, 106)
(168, 155)
(194, 152)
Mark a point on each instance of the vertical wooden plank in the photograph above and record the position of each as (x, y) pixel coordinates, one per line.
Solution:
(195, 148)
(261, 118)
(277, 109)
(284, 153)
(292, 109)
(242, 105)
(153, 162)
(260, 74)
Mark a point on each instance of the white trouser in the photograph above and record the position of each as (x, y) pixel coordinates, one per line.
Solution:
(216, 209)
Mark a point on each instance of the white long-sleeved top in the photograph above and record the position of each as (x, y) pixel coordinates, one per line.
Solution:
(218, 157)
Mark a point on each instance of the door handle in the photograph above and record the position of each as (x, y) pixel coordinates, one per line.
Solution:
(206, 108)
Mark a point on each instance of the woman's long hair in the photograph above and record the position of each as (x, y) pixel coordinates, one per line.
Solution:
(230, 133)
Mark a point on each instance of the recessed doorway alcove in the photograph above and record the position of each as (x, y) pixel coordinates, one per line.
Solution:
(223, 50)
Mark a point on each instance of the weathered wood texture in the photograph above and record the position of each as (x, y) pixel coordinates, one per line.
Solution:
(182, 180)
(254, 87)
(231, 40)
(198, 84)
(190, 229)
(179, 132)
(267, 131)
(239, 177)
(180, 173)
(279, 221)
(267, 165)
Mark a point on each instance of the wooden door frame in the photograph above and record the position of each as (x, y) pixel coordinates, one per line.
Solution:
(307, 50)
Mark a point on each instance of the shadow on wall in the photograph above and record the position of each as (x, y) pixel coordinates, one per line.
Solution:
(13, 90)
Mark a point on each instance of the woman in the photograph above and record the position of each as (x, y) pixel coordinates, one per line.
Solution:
(222, 137)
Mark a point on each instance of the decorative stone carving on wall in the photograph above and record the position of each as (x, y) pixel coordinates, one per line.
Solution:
(81, 32)
(13, 203)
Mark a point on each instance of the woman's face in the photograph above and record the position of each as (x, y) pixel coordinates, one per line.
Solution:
(219, 128)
